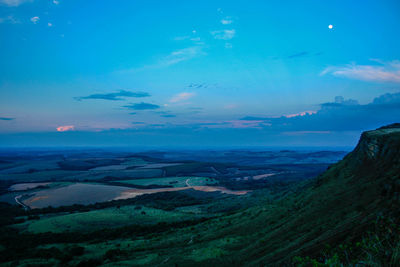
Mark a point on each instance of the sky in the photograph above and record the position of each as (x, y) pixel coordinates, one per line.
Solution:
(197, 73)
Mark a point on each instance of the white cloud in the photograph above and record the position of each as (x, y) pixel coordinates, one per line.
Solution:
(182, 97)
(56, 2)
(191, 37)
(224, 34)
(385, 72)
(181, 55)
(173, 58)
(13, 2)
(226, 21)
(35, 19)
(50, 24)
(10, 19)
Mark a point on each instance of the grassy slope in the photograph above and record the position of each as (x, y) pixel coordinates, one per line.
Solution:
(340, 205)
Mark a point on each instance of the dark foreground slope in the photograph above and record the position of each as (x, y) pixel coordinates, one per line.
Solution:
(357, 195)
(347, 215)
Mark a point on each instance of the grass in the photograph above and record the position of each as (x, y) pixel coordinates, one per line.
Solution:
(132, 162)
(196, 209)
(51, 175)
(71, 175)
(193, 167)
(105, 218)
(172, 181)
(214, 249)
(30, 166)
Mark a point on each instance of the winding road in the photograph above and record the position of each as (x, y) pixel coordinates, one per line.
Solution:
(20, 203)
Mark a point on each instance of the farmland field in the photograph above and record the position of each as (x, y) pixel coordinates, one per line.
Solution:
(26, 186)
(105, 218)
(58, 194)
(75, 178)
(78, 193)
(172, 181)
(109, 204)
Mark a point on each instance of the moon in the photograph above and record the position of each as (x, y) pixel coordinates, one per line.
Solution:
(330, 26)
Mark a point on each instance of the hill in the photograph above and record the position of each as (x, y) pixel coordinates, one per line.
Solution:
(354, 196)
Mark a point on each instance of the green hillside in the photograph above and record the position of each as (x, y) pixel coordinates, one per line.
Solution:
(342, 204)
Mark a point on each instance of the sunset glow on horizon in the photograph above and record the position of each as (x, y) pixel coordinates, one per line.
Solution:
(65, 128)
(194, 72)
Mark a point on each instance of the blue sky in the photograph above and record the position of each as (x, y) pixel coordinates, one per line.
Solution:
(193, 73)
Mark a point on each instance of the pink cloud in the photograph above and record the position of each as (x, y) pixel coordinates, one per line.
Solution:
(182, 97)
(245, 124)
(308, 112)
(65, 128)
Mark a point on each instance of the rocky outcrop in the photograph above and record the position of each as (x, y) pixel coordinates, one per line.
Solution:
(379, 146)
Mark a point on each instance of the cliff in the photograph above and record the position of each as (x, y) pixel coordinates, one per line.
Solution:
(342, 205)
